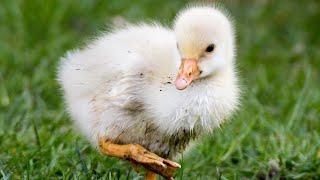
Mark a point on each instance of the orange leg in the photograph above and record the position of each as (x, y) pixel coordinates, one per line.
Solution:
(138, 154)
(150, 176)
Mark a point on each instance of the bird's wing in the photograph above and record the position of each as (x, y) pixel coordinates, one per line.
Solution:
(124, 92)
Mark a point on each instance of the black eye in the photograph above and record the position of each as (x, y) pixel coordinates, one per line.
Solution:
(210, 48)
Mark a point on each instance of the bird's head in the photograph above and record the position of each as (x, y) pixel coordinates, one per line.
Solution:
(205, 40)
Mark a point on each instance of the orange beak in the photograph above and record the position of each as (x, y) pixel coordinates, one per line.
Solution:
(188, 72)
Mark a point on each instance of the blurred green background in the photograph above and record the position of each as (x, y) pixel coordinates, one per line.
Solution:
(276, 134)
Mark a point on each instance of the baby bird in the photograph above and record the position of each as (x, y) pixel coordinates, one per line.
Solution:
(143, 92)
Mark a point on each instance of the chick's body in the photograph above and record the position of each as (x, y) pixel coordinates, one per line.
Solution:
(106, 85)
(121, 86)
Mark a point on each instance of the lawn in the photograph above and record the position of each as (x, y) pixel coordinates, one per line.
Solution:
(275, 134)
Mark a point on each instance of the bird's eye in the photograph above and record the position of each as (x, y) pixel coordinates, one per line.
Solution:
(210, 48)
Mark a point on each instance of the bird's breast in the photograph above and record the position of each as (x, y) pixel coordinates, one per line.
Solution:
(174, 110)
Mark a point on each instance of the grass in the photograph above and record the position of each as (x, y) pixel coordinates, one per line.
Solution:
(275, 135)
